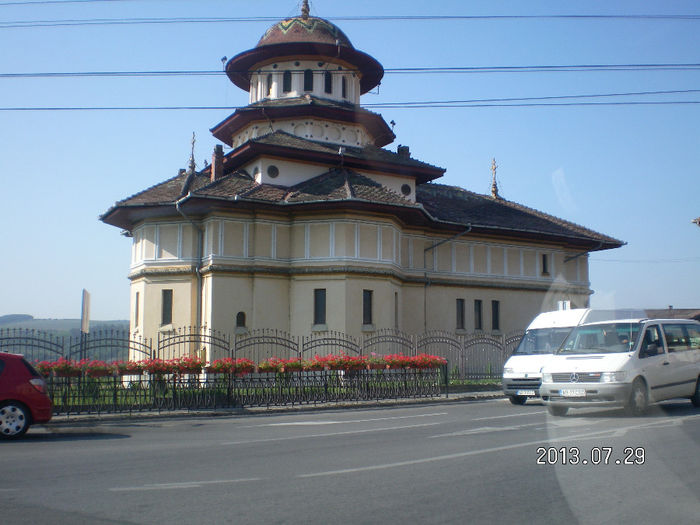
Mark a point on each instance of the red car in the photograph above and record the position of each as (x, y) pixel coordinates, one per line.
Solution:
(23, 397)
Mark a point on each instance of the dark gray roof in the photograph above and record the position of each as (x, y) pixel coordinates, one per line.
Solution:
(335, 184)
(457, 205)
(440, 206)
(369, 152)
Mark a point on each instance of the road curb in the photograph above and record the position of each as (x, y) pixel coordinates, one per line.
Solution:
(77, 419)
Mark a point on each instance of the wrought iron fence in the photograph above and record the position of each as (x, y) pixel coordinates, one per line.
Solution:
(469, 356)
(103, 345)
(81, 394)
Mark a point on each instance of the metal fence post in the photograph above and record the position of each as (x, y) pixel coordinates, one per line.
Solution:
(446, 371)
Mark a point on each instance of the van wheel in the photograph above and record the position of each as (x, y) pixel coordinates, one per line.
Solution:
(696, 396)
(638, 401)
(557, 410)
(517, 400)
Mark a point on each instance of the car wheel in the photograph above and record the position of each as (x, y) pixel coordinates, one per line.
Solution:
(557, 410)
(639, 400)
(14, 420)
(696, 396)
(517, 400)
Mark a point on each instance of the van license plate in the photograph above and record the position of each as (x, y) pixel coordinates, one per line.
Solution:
(525, 393)
(573, 392)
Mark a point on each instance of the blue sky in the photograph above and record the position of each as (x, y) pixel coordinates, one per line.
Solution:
(629, 171)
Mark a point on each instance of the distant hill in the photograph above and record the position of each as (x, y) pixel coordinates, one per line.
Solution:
(68, 327)
(14, 318)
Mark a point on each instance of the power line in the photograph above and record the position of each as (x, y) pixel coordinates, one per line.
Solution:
(412, 106)
(457, 103)
(221, 20)
(44, 2)
(648, 261)
(403, 70)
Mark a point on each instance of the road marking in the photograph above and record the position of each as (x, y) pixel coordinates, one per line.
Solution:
(508, 416)
(182, 485)
(9, 490)
(483, 430)
(334, 422)
(448, 457)
(329, 434)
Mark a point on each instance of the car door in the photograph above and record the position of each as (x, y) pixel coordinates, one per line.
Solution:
(682, 355)
(655, 365)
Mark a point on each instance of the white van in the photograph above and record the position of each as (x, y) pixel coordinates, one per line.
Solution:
(522, 371)
(628, 363)
(547, 331)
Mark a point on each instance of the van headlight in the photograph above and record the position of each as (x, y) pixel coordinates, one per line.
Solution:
(546, 377)
(613, 377)
(507, 371)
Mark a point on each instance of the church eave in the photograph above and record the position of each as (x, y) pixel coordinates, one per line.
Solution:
(239, 67)
(251, 150)
(374, 123)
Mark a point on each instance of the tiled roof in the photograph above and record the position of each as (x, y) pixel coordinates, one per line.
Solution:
(335, 184)
(370, 153)
(457, 205)
(165, 192)
(444, 204)
(304, 100)
(343, 184)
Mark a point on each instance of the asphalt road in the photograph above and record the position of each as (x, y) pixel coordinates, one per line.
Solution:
(465, 462)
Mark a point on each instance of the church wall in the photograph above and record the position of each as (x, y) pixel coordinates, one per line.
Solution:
(345, 255)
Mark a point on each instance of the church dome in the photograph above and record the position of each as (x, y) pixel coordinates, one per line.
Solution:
(304, 36)
(309, 29)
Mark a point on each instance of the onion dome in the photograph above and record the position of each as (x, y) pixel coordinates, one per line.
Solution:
(304, 36)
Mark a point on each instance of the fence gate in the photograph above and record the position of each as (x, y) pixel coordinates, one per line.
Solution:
(201, 342)
(264, 343)
(34, 345)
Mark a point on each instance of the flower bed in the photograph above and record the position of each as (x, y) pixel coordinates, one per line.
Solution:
(228, 365)
(97, 368)
(240, 366)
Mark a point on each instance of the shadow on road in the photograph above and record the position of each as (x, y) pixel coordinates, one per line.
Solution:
(54, 435)
(665, 409)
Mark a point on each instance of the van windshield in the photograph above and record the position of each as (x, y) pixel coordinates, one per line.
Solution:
(607, 338)
(542, 341)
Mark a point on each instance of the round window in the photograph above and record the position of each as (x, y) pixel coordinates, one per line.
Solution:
(273, 171)
(406, 189)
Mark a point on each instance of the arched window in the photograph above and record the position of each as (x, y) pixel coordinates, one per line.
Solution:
(240, 320)
(344, 87)
(286, 81)
(308, 80)
(269, 84)
(328, 82)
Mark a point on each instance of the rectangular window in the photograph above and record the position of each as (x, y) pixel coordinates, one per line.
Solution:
(545, 264)
(396, 310)
(136, 309)
(167, 307)
(495, 316)
(320, 306)
(681, 337)
(478, 317)
(366, 306)
(460, 314)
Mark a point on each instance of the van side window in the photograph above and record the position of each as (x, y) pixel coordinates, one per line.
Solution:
(651, 343)
(681, 337)
(694, 336)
